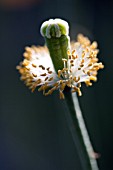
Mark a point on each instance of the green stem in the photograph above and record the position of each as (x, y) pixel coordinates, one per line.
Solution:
(79, 132)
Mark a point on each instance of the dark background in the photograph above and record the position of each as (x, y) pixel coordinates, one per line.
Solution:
(34, 134)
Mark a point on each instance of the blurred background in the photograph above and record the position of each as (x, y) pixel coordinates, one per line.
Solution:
(34, 133)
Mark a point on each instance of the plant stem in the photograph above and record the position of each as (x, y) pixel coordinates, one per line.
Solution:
(79, 132)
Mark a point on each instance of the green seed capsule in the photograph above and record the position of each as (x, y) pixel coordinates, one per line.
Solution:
(57, 40)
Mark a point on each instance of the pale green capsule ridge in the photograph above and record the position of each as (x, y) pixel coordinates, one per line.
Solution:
(57, 40)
